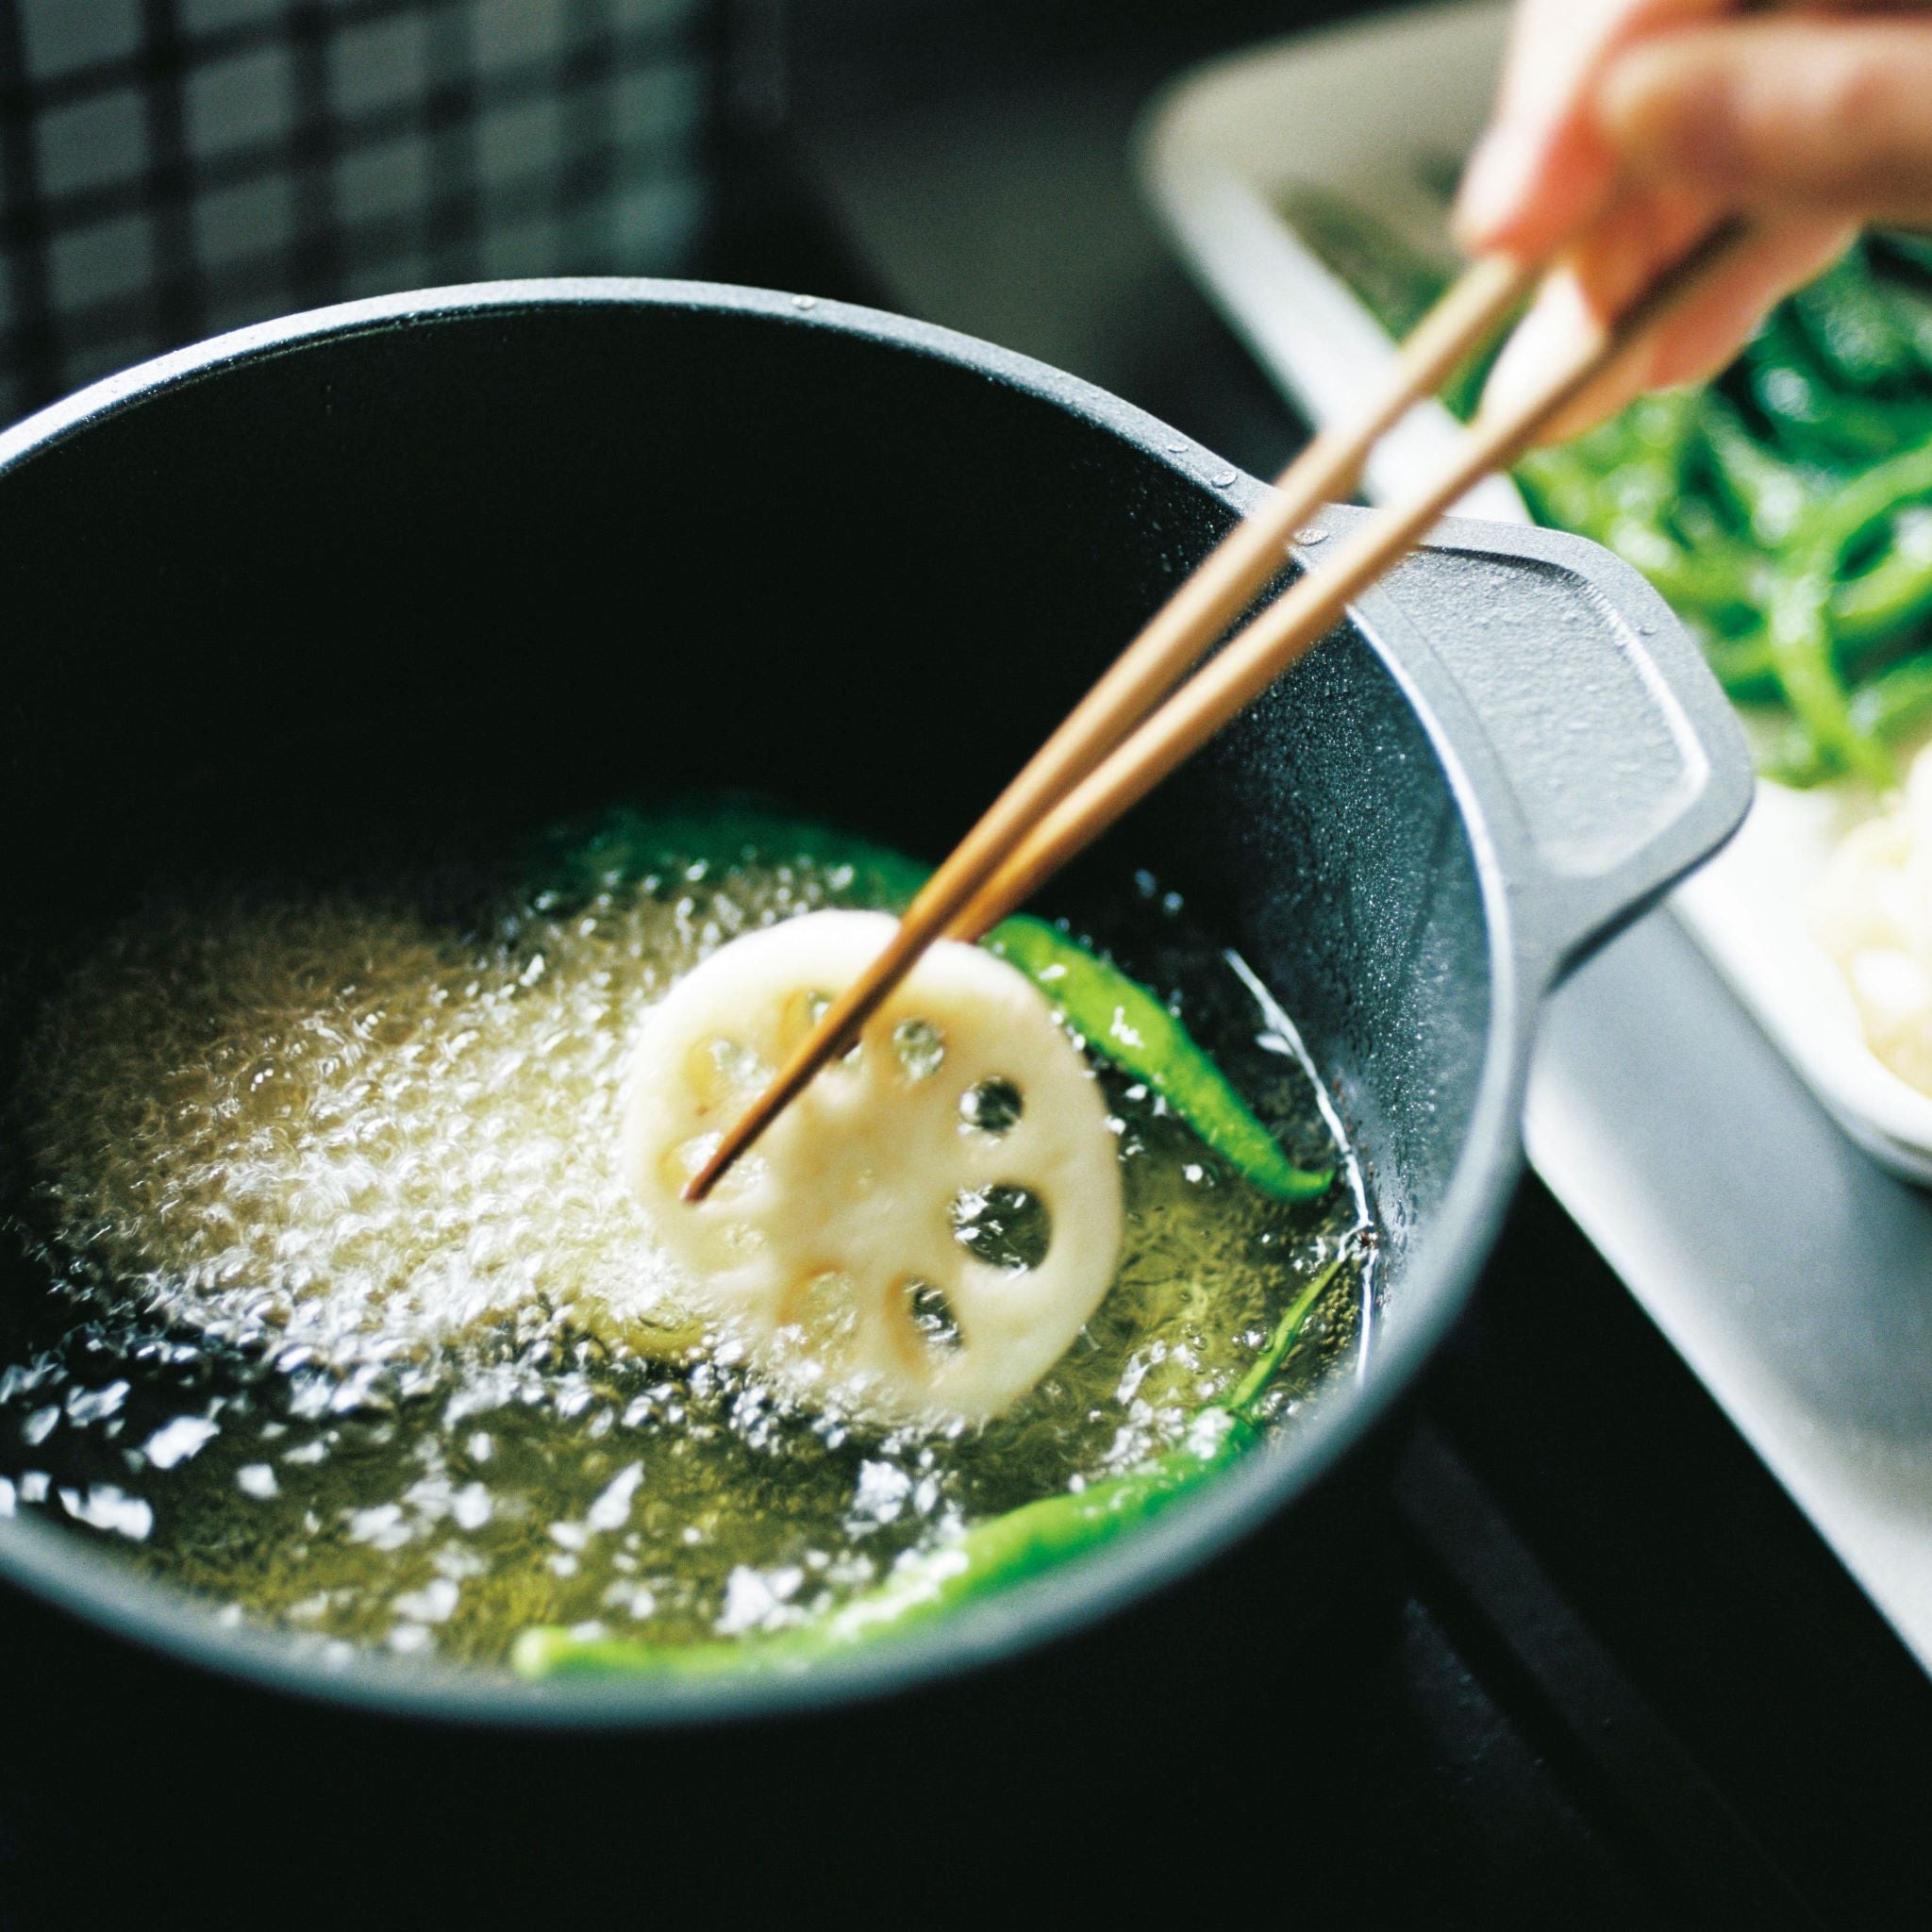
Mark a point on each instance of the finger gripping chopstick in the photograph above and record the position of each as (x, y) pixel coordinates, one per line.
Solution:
(1116, 745)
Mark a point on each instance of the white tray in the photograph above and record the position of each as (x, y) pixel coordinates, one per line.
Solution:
(1380, 115)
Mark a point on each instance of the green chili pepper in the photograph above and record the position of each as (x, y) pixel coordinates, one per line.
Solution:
(1858, 502)
(1121, 1019)
(1893, 595)
(1800, 630)
(714, 831)
(990, 1556)
(1781, 376)
(1801, 652)
(1896, 701)
(1771, 495)
(1124, 1021)
(1743, 666)
(1854, 331)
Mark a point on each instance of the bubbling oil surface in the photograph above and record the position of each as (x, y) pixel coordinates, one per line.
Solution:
(349, 1324)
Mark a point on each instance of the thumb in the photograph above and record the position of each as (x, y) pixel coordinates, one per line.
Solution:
(1818, 115)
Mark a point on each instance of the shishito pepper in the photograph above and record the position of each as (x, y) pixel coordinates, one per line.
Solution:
(1127, 1024)
(1120, 1018)
(990, 1556)
(713, 831)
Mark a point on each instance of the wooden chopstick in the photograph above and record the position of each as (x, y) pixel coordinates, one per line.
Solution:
(1180, 633)
(1110, 752)
(1303, 614)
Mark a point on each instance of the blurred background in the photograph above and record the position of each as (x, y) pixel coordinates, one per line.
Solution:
(169, 168)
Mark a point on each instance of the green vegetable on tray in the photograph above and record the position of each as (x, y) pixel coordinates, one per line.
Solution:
(1121, 1019)
(989, 1556)
(1785, 509)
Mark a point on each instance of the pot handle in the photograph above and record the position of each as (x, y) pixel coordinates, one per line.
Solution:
(1574, 710)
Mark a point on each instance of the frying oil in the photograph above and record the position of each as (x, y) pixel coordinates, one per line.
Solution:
(347, 1323)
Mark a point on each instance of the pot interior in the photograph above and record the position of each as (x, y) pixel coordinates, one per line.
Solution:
(468, 572)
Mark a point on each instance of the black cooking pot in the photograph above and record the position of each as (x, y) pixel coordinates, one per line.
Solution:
(487, 555)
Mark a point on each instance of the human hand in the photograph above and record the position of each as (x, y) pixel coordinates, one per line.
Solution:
(1636, 126)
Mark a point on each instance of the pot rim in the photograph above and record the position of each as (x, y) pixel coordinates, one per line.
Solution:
(95, 1586)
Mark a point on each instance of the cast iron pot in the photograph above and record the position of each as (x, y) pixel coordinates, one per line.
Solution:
(489, 554)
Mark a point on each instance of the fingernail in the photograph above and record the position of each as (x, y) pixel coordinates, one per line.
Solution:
(1493, 185)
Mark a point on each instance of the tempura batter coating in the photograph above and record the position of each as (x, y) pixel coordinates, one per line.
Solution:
(833, 1251)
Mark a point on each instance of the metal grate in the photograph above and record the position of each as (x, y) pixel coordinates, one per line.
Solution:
(172, 167)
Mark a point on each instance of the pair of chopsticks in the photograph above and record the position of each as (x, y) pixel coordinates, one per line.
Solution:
(1135, 727)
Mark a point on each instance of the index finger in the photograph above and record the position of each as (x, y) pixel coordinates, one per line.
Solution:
(1543, 168)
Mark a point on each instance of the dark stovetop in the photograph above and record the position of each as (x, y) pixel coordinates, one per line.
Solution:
(1709, 1705)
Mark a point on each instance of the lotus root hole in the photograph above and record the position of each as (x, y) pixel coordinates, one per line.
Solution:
(994, 1107)
(930, 1310)
(920, 1047)
(1003, 1227)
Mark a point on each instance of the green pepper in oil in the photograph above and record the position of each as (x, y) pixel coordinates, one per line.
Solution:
(990, 1556)
(1130, 1025)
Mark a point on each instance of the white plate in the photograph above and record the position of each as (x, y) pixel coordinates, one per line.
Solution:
(1380, 115)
